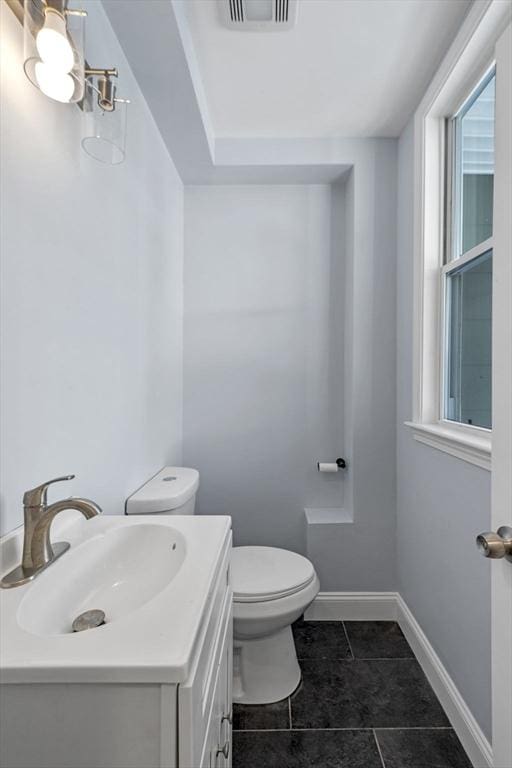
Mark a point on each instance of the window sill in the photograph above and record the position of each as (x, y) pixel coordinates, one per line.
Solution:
(475, 449)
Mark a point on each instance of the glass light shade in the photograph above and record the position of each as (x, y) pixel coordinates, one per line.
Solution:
(53, 83)
(104, 133)
(54, 51)
(53, 44)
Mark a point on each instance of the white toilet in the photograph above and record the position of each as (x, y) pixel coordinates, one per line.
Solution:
(271, 589)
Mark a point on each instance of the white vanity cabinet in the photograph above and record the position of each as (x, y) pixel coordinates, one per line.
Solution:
(124, 723)
(205, 700)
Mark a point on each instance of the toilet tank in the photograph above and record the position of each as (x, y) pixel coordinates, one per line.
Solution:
(172, 491)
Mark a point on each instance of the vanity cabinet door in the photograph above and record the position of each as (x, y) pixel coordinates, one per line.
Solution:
(205, 698)
(220, 755)
(216, 750)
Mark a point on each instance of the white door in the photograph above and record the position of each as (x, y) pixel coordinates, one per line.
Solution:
(502, 410)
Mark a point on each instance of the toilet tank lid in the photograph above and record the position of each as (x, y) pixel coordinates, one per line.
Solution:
(167, 490)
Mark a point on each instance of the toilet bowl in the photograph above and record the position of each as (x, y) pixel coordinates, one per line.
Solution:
(271, 589)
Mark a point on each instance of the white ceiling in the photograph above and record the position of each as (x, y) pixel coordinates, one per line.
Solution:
(353, 68)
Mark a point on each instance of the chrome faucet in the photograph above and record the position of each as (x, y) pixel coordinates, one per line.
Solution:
(38, 551)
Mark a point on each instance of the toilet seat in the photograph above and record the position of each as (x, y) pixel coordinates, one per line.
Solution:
(262, 574)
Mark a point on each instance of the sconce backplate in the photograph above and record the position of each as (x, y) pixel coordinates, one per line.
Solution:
(16, 7)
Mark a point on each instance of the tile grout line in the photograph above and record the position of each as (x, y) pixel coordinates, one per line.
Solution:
(378, 748)
(290, 711)
(369, 728)
(369, 658)
(287, 730)
(411, 728)
(348, 641)
(387, 658)
(333, 658)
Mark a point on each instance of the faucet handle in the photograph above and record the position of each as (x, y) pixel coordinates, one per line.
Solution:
(36, 497)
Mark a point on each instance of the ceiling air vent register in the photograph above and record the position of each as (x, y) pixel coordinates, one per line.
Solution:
(258, 15)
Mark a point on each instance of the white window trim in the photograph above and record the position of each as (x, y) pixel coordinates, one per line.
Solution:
(471, 53)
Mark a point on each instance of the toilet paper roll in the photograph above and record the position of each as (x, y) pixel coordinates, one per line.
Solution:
(326, 467)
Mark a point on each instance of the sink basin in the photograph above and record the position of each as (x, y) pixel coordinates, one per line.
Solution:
(117, 571)
(150, 574)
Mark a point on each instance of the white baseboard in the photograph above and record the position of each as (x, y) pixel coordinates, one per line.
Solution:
(464, 724)
(353, 606)
(389, 606)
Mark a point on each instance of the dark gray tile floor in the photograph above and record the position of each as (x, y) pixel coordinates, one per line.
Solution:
(363, 702)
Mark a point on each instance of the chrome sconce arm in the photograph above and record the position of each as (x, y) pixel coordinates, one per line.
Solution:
(105, 88)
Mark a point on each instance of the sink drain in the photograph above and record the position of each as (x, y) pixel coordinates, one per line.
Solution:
(88, 620)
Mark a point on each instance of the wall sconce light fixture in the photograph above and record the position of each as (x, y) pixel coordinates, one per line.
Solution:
(54, 61)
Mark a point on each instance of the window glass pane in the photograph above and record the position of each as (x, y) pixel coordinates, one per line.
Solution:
(476, 168)
(468, 369)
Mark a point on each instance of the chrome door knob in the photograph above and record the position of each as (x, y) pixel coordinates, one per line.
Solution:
(496, 545)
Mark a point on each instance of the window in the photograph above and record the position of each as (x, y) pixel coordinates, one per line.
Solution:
(467, 271)
(454, 160)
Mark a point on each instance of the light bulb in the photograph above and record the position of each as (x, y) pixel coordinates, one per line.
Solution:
(53, 44)
(54, 83)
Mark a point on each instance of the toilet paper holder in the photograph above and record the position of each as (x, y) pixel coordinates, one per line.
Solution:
(331, 467)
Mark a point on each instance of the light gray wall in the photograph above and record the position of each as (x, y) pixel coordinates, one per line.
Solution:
(91, 323)
(359, 555)
(262, 367)
(442, 504)
(290, 358)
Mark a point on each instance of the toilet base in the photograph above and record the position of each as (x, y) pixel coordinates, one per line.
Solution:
(266, 669)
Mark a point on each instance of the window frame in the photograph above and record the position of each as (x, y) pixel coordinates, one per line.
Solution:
(453, 139)
(454, 257)
(469, 58)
